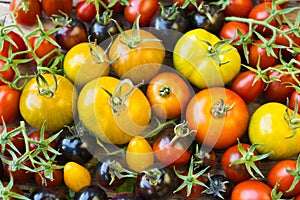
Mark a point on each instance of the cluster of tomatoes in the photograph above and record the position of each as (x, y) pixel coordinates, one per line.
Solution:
(148, 98)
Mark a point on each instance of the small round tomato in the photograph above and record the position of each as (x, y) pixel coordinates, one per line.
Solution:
(213, 112)
(18, 46)
(17, 141)
(279, 174)
(251, 189)
(37, 136)
(9, 104)
(257, 53)
(27, 17)
(282, 39)
(7, 75)
(55, 7)
(117, 7)
(19, 175)
(189, 7)
(91, 192)
(139, 151)
(41, 180)
(85, 12)
(293, 100)
(248, 86)
(168, 95)
(76, 176)
(238, 8)
(145, 8)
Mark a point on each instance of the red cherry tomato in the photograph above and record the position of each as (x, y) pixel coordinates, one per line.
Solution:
(117, 8)
(282, 39)
(7, 74)
(244, 85)
(17, 141)
(294, 98)
(251, 189)
(86, 11)
(57, 178)
(36, 135)
(18, 46)
(238, 8)
(146, 8)
(55, 7)
(19, 175)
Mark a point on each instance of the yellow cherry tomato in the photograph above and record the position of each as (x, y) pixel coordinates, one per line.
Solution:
(76, 176)
(139, 154)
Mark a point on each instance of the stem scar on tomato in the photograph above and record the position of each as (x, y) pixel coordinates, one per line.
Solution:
(219, 110)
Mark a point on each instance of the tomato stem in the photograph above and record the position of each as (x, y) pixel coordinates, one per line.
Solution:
(219, 110)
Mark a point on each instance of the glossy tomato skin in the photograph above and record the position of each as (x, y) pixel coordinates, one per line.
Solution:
(35, 108)
(7, 75)
(28, 18)
(117, 8)
(293, 100)
(168, 94)
(268, 124)
(91, 192)
(76, 176)
(238, 172)
(45, 193)
(85, 12)
(57, 178)
(125, 196)
(55, 7)
(146, 8)
(257, 53)
(19, 175)
(36, 136)
(238, 8)
(245, 87)
(212, 129)
(282, 39)
(251, 190)
(17, 141)
(18, 47)
(9, 101)
(279, 173)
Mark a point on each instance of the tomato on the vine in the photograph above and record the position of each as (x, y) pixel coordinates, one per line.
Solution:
(213, 112)
(251, 189)
(7, 74)
(57, 7)
(15, 42)
(57, 177)
(17, 141)
(293, 100)
(238, 8)
(86, 12)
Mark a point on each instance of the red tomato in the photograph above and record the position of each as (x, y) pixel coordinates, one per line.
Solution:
(260, 12)
(238, 8)
(9, 104)
(244, 85)
(146, 8)
(279, 173)
(85, 11)
(55, 7)
(57, 178)
(29, 17)
(117, 8)
(196, 191)
(236, 172)
(213, 113)
(279, 90)
(7, 74)
(190, 7)
(251, 190)
(19, 175)
(36, 135)
(282, 5)
(230, 30)
(17, 47)
(294, 98)
(260, 53)
(17, 141)
(43, 49)
(282, 39)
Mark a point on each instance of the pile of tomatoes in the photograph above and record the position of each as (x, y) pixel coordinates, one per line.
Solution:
(142, 99)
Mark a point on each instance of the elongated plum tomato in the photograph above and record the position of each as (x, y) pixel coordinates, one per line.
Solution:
(213, 113)
(271, 125)
(80, 66)
(137, 61)
(52, 102)
(110, 122)
(197, 57)
(76, 176)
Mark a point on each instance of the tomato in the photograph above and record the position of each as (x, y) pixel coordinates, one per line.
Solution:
(168, 95)
(269, 126)
(48, 193)
(55, 7)
(138, 62)
(279, 90)
(112, 123)
(196, 60)
(117, 7)
(91, 192)
(139, 151)
(35, 107)
(248, 86)
(297, 58)
(85, 12)
(282, 4)
(257, 53)
(76, 176)
(145, 8)
(282, 39)
(13, 190)
(238, 8)
(213, 112)
(278, 173)
(20, 175)
(230, 30)
(17, 141)
(42, 51)
(50, 183)
(14, 41)
(26, 17)
(236, 172)
(37, 136)
(81, 66)
(261, 12)
(293, 100)
(250, 190)
(9, 104)
(7, 74)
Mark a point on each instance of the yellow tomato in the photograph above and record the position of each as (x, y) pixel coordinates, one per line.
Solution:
(139, 154)
(80, 66)
(76, 176)
(271, 127)
(95, 110)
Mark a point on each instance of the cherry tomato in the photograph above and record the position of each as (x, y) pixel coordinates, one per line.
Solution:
(17, 141)
(19, 175)
(9, 103)
(55, 7)
(247, 86)
(282, 5)
(213, 112)
(57, 178)
(7, 75)
(14, 189)
(189, 7)
(37, 136)
(282, 39)
(260, 12)
(238, 8)
(251, 189)
(146, 8)
(85, 12)
(28, 17)
(18, 45)
(297, 58)
(45, 193)
(117, 7)
(91, 192)
(294, 98)
(260, 54)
